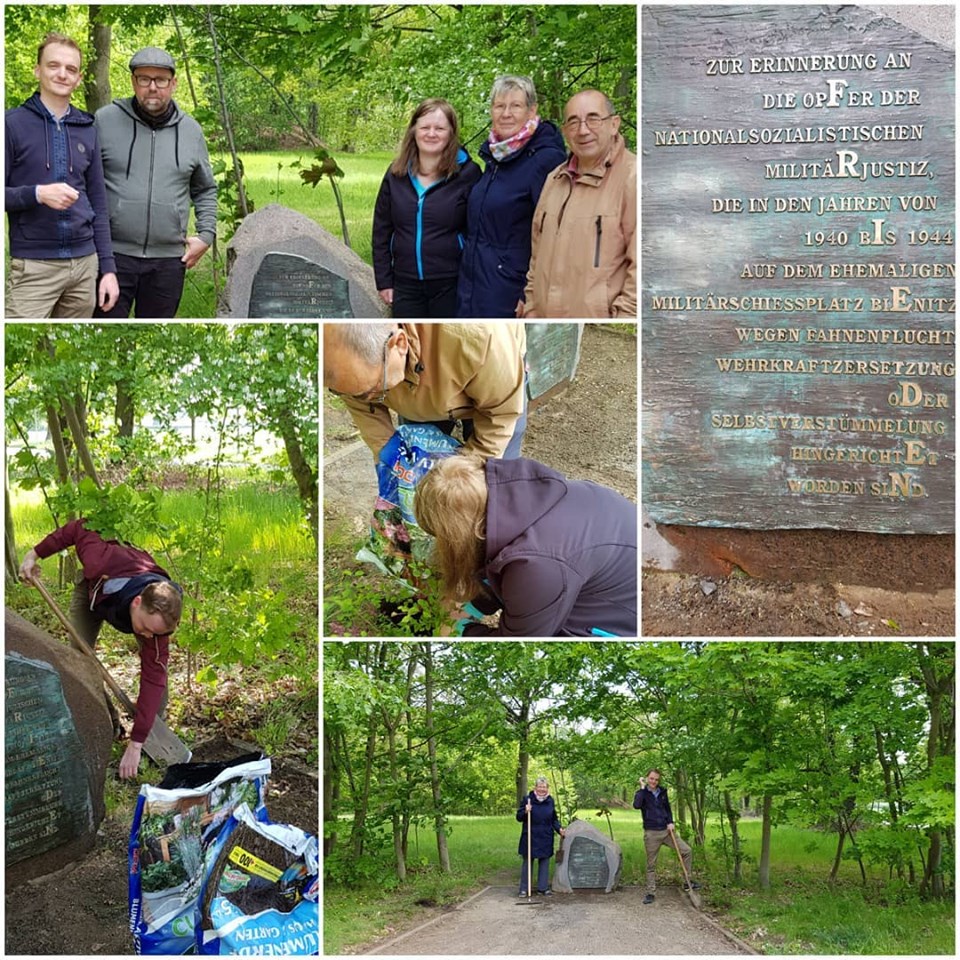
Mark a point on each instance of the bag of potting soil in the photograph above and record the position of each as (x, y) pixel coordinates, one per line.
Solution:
(261, 892)
(395, 539)
(174, 827)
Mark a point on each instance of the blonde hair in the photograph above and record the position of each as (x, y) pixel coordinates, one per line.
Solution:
(162, 597)
(451, 505)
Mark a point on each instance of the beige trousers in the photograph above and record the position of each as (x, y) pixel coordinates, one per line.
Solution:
(653, 840)
(52, 288)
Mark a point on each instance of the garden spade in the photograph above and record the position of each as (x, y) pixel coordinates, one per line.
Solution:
(162, 744)
(694, 896)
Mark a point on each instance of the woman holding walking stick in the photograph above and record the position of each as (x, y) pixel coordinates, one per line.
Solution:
(540, 822)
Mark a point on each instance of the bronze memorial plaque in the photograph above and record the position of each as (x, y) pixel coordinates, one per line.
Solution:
(798, 270)
(288, 285)
(588, 868)
(47, 792)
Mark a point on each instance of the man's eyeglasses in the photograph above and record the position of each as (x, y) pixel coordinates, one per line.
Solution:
(593, 121)
(161, 83)
(371, 395)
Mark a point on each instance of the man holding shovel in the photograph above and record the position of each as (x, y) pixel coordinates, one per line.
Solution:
(652, 802)
(125, 587)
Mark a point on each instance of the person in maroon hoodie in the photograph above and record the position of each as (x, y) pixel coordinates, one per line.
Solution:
(557, 557)
(126, 588)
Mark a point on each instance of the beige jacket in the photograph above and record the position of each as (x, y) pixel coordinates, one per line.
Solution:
(455, 370)
(584, 258)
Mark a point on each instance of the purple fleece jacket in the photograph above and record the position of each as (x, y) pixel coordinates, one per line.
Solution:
(39, 150)
(561, 555)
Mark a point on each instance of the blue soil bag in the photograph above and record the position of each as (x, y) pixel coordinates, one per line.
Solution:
(261, 893)
(174, 828)
(395, 539)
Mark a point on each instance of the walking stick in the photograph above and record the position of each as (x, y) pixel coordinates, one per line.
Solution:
(694, 896)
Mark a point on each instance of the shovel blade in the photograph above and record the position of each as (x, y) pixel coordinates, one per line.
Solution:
(164, 746)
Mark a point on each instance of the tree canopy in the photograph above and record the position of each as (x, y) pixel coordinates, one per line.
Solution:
(346, 74)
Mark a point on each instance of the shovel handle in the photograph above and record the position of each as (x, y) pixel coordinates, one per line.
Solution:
(676, 846)
(83, 647)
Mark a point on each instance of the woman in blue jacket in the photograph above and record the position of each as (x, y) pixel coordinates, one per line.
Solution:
(544, 823)
(521, 150)
(420, 216)
(557, 557)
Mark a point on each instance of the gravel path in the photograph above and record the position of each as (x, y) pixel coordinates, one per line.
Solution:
(493, 922)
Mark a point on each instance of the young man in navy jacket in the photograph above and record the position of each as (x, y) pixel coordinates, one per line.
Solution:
(652, 802)
(55, 197)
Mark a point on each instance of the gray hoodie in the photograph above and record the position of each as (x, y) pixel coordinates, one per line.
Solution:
(152, 177)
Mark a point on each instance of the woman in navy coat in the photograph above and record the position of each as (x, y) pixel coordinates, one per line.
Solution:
(544, 823)
(521, 150)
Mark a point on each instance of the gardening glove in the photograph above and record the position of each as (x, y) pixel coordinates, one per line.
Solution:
(462, 625)
(472, 611)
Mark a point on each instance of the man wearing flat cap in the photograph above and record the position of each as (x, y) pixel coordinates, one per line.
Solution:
(156, 165)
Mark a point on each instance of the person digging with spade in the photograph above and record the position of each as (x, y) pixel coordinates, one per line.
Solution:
(127, 588)
(654, 805)
(541, 812)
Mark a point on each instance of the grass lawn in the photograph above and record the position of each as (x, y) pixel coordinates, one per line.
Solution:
(800, 913)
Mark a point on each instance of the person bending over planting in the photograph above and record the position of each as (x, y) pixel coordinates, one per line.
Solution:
(557, 557)
(126, 588)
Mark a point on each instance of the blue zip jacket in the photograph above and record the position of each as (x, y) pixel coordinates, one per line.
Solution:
(493, 271)
(655, 809)
(544, 823)
(561, 555)
(42, 150)
(418, 233)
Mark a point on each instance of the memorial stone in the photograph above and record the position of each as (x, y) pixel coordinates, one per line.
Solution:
(282, 264)
(58, 738)
(553, 352)
(798, 226)
(591, 860)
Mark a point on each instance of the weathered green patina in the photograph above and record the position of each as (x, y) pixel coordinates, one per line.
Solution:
(798, 238)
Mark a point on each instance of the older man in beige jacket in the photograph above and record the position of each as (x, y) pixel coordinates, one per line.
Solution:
(432, 373)
(584, 246)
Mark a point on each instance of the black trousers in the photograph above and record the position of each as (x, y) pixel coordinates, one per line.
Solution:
(425, 299)
(153, 286)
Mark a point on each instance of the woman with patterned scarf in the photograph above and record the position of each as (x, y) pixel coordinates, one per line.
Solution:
(521, 150)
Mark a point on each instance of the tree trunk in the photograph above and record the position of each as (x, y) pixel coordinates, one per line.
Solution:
(80, 440)
(361, 804)
(439, 821)
(408, 713)
(764, 871)
(11, 560)
(733, 818)
(96, 84)
(398, 856)
(331, 780)
(838, 856)
(225, 113)
(523, 756)
(936, 685)
(302, 472)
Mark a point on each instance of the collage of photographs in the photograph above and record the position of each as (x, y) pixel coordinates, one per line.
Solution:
(351, 351)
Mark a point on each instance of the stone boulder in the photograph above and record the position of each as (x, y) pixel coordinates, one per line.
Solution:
(281, 264)
(591, 860)
(58, 744)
